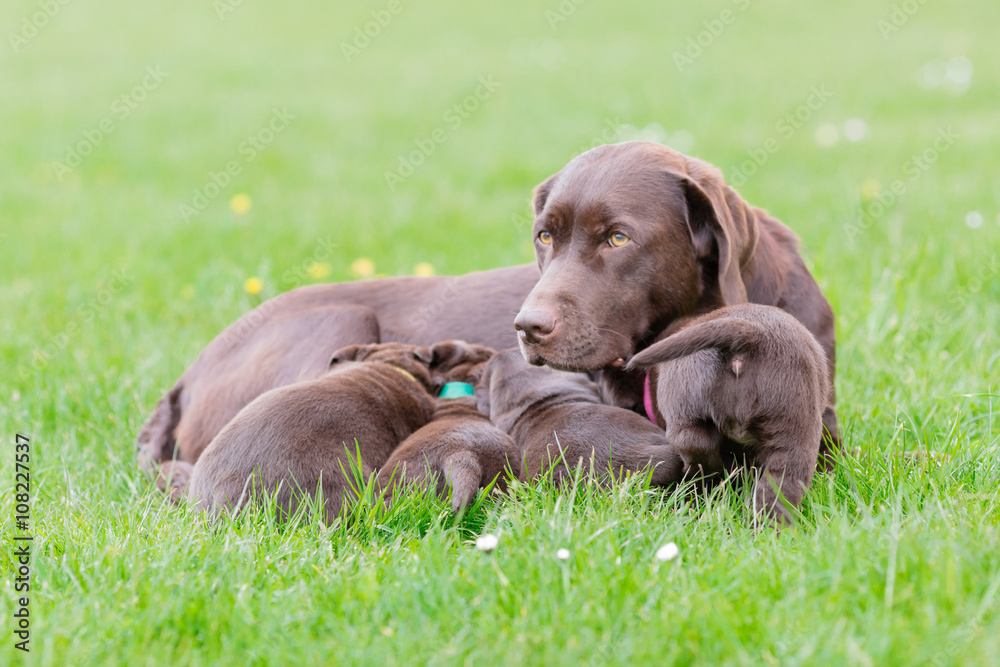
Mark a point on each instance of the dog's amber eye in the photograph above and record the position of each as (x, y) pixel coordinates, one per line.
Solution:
(545, 237)
(617, 239)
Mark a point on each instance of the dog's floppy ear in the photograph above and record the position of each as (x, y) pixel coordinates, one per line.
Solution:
(350, 353)
(483, 390)
(542, 192)
(424, 354)
(719, 219)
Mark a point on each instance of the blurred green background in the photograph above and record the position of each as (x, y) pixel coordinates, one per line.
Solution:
(116, 115)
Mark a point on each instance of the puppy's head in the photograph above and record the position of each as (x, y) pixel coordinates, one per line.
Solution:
(494, 378)
(628, 237)
(458, 361)
(414, 359)
(509, 385)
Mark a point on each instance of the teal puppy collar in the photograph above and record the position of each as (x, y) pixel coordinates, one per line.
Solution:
(457, 390)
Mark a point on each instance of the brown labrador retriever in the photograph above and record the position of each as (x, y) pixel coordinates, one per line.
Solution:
(559, 422)
(460, 448)
(299, 438)
(635, 236)
(630, 237)
(745, 383)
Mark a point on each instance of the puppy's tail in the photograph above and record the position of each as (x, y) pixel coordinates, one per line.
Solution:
(465, 475)
(728, 334)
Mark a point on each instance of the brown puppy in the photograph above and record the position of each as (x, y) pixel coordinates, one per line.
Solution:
(558, 421)
(460, 448)
(630, 237)
(750, 374)
(299, 438)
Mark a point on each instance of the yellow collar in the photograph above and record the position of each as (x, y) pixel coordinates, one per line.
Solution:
(405, 372)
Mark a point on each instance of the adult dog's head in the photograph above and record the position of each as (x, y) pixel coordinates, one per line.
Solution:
(628, 237)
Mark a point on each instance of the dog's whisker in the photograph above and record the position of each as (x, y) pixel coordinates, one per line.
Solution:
(617, 333)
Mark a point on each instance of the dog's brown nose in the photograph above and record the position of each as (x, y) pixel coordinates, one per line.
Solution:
(534, 326)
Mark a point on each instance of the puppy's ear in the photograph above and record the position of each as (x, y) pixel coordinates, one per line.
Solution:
(483, 390)
(350, 353)
(450, 353)
(424, 354)
(721, 224)
(542, 192)
(446, 353)
(483, 399)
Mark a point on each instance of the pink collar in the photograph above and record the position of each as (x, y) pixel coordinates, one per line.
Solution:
(647, 400)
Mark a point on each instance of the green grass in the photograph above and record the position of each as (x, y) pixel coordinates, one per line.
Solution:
(108, 293)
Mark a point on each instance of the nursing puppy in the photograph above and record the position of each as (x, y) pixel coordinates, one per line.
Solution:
(558, 420)
(742, 381)
(460, 448)
(300, 438)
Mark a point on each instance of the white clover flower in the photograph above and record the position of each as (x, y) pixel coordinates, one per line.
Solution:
(974, 219)
(487, 542)
(562, 554)
(668, 551)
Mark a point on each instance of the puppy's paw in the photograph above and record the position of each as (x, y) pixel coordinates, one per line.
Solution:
(172, 478)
